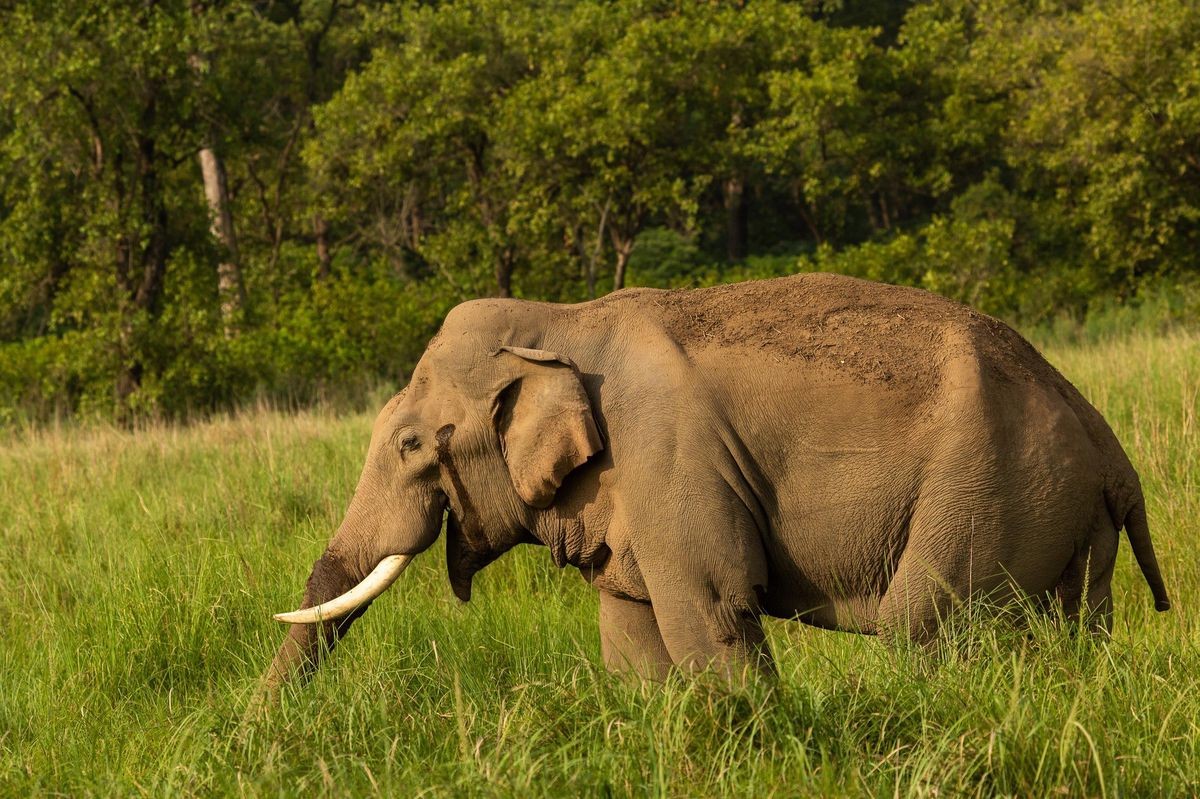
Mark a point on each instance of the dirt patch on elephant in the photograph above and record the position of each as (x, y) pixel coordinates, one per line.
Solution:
(866, 332)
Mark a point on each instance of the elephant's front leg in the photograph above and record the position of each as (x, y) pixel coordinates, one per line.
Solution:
(705, 577)
(705, 629)
(630, 640)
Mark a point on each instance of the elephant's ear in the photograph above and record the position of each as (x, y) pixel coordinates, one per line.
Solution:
(545, 422)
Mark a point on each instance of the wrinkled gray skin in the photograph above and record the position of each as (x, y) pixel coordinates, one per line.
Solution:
(853, 455)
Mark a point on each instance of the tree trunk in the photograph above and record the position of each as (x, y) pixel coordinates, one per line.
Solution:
(130, 374)
(504, 270)
(144, 291)
(869, 202)
(735, 219)
(619, 270)
(809, 218)
(324, 259)
(230, 288)
(231, 292)
(623, 245)
(591, 267)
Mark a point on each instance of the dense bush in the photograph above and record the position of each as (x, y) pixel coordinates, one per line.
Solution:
(203, 203)
(333, 342)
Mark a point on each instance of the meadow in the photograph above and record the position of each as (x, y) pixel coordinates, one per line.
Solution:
(139, 570)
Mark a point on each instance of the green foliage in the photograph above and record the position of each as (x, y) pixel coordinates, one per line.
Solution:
(663, 257)
(136, 616)
(1031, 159)
(334, 342)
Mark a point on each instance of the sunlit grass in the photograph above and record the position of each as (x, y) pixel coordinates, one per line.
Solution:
(138, 572)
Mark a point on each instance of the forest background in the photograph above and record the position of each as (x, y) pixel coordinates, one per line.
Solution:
(203, 203)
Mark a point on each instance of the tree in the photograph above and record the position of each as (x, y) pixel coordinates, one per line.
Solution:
(1113, 119)
(204, 200)
(413, 138)
(230, 286)
(103, 90)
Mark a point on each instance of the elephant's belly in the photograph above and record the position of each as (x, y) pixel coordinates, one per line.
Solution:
(844, 463)
(831, 562)
(854, 614)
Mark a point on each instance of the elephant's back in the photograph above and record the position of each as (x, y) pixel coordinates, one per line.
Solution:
(863, 330)
(855, 330)
(903, 346)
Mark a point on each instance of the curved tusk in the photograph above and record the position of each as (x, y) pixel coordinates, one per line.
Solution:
(374, 584)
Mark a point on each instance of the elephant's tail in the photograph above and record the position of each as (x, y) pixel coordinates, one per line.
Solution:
(1139, 539)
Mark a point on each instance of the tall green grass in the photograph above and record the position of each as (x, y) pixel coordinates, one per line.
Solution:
(138, 572)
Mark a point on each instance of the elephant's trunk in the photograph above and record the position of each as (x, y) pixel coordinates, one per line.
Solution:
(378, 538)
(301, 651)
(335, 596)
(374, 584)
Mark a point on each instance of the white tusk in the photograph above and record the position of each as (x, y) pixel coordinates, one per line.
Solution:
(374, 584)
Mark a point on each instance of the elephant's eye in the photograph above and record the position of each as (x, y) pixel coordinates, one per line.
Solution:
(405, 440)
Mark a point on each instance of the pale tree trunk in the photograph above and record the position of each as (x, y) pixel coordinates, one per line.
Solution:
(231, 292)
(230, 288)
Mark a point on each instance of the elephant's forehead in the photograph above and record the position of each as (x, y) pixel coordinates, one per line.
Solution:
(439, 386)
(387, 411)
(457, 362)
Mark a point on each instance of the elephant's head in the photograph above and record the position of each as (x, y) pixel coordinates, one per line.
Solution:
(486, 431)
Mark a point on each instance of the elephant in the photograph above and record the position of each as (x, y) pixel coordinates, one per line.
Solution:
(853, 455)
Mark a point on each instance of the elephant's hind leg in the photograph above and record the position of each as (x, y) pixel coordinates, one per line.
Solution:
(1086, 584)
(630, 640)
(916, 602)
(949, 560)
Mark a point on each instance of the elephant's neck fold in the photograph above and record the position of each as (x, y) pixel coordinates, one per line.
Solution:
(571, 540)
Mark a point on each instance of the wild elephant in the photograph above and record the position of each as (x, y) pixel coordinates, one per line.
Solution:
(853, 455)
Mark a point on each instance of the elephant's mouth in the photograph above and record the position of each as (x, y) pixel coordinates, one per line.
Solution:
(371, 586)
(467, 552)
(468, 549)
(380, 579)
(464, 555)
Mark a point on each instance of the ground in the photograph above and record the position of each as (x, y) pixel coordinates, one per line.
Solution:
(139, 571)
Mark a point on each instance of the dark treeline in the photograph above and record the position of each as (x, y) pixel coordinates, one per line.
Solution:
(203, 201)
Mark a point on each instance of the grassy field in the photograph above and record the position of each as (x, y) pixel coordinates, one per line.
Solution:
(138, 573)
